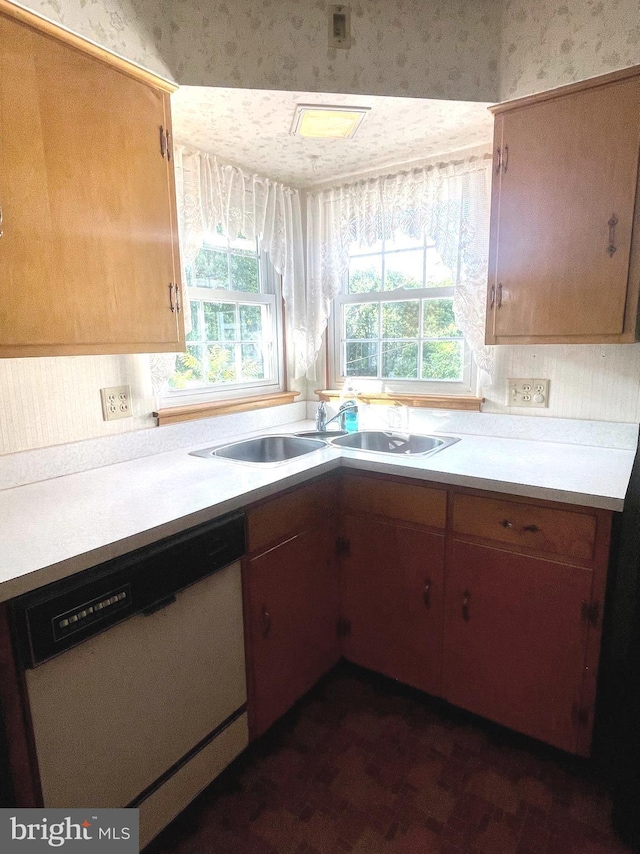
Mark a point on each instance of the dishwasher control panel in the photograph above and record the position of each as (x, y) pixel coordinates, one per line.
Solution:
(61, 615)
(93, 611)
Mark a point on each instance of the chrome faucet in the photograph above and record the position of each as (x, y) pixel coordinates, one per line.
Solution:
(321, 415)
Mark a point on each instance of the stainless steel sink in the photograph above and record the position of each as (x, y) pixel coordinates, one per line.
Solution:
(321, 434)
(391, 442)
(264, 449)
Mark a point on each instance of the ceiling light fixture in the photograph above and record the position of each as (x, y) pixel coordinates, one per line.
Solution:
(317, 121)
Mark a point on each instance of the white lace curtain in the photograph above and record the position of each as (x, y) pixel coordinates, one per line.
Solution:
(450, 203)
(212, 194)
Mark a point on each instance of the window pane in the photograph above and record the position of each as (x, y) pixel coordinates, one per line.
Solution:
(400, 319)
(244, 273)
(196, 332)
(361, 359)
(222, 363)
(438, 275)
(210, 270)
(403, 270)
(403, 241)
(365, 274)
(188, 368)
(361, 320)
(220, 321)
(250, 322)
(439, 321)
(442, 360)
(252, 362)
(356, 249)
(399, 360)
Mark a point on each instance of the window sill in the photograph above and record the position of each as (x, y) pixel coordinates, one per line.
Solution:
(466, 402)
(191, 412)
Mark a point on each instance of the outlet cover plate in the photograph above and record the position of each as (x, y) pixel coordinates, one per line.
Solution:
(116, 402)
(533, 393)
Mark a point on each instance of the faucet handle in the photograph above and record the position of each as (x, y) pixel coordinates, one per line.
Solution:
(321, 417)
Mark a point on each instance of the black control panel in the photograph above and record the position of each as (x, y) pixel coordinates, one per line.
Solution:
(61, 615)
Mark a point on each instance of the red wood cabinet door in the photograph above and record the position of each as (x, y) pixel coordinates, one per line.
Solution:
(292, 615)
(515, 641)
(391, 584)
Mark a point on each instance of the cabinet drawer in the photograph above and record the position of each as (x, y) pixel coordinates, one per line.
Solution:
(560, 532)
(404, 502)
(291, 513)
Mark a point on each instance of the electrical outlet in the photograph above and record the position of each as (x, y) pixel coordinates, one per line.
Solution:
(534, 393)
(116, 402)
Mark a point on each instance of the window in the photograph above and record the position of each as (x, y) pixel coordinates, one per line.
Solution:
(234, 344)
(393, 322)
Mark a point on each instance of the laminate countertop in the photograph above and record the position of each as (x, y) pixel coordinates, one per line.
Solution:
(54, 528)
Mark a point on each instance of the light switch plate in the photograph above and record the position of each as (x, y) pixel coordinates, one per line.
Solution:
(528, 392)
(116, 402)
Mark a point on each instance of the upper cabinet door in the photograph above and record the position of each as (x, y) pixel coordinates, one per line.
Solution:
(89, 245)
(565, 184)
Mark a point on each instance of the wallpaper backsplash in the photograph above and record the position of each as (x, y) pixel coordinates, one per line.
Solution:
(401, 47)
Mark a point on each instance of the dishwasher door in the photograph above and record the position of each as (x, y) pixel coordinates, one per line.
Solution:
(112, 716)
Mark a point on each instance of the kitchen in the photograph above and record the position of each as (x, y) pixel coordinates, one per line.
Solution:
(590, 383)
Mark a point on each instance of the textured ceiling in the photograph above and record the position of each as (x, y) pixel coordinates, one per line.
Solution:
(250, 128)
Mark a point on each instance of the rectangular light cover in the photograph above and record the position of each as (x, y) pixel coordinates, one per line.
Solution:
(315, 121)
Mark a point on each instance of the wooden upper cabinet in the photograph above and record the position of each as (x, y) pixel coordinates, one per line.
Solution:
(564, 258)
(89, 245)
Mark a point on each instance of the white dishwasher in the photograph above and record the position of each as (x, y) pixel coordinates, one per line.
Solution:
(135, 675)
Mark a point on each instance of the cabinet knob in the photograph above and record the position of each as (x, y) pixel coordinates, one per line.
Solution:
(466, 598)
(611, 248)
(426, 593)
(506, 523)
(265, 617)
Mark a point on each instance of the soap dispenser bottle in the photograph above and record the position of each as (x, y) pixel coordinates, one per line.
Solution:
(350, 416)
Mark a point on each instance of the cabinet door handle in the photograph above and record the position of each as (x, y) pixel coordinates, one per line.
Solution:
(611, 248)
(171, 303)
(533, 528)
(168, 147)
(505, 159)
(506, 523)
(265, 617)
(163, 142)
(500, 295)
(498, 160)
(492, 296)
(178, 303)
(466, 598)
(426, 593)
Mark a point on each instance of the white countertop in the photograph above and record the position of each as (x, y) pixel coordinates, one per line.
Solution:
(54, 528)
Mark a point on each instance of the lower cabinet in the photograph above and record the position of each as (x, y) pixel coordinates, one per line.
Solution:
(391, 589)
(515, 641)
(492, 602)
(292, 606)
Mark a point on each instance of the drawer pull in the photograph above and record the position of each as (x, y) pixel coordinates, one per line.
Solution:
(506, 523)
(533, 528)
(466, 597)
(266, 621)
(426, 593)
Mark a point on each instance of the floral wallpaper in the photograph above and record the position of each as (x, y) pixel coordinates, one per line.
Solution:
(251, 127)
(131, 28)
(550, 42)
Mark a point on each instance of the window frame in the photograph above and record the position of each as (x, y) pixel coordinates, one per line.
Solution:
(269, 295)
(335, 341)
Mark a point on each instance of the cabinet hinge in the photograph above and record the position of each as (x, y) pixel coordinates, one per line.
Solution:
(580, 715)
(343, 627)
(343, 547)
(590, 613)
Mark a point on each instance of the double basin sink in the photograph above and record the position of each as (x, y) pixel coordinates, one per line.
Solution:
(277, 449)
